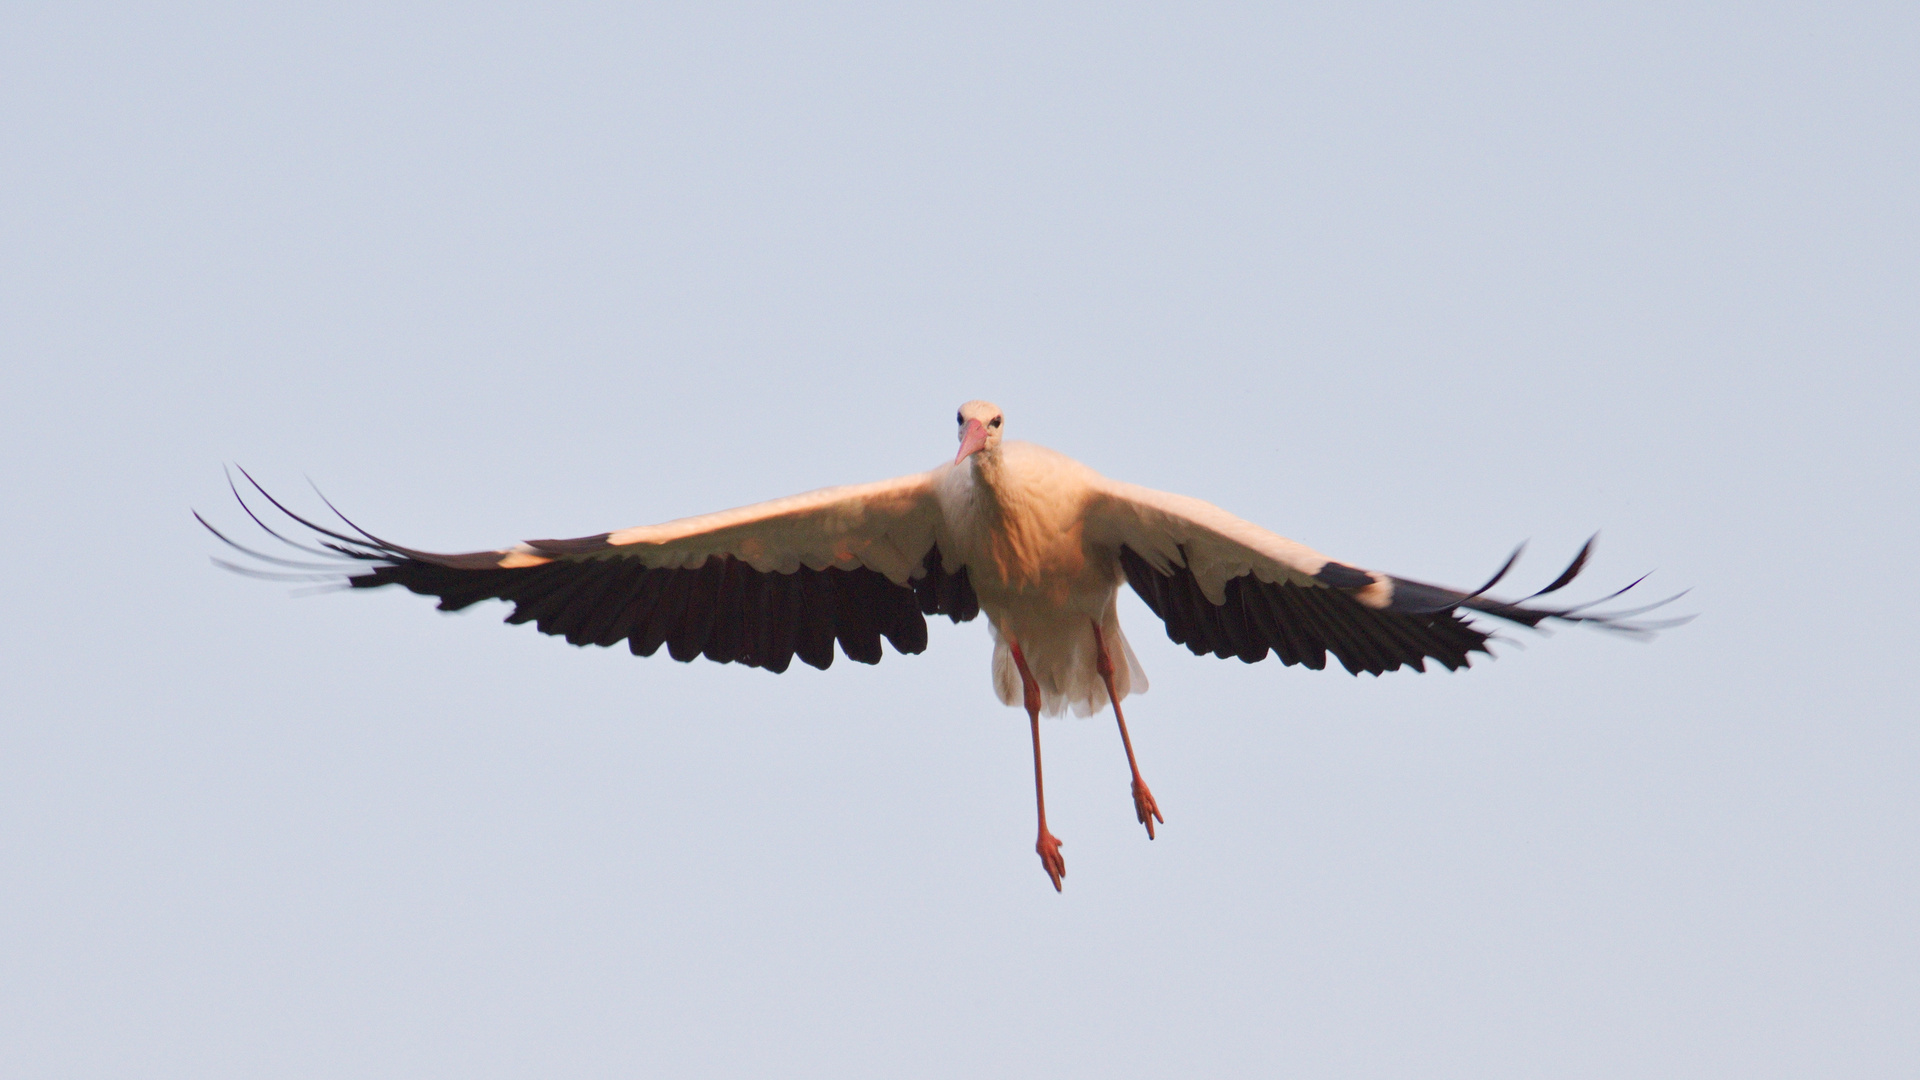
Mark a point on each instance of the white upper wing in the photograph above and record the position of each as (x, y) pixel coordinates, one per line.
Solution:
(1176, 531)
(887, 526)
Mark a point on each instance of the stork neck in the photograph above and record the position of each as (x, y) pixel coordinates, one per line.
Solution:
(989, 469)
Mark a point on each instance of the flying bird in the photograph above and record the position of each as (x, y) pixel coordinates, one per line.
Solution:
(1035, 540)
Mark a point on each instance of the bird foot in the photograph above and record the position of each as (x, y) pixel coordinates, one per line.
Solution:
(1049, 848)
(1145, 808)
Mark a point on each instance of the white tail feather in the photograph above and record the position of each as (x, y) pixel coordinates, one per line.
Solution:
(1066, 665)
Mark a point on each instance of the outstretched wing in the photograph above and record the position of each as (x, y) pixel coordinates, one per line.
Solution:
(1229, 587)
(758, 585)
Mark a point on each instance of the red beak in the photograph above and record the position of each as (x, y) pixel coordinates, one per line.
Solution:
(973, 438)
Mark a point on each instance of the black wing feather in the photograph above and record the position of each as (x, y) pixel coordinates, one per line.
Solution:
(1301, 624)
(723, 609)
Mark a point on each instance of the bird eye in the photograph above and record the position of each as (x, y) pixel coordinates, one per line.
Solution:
(959, 419)
(995, 422)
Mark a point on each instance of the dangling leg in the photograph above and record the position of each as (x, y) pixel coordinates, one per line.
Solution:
(1143, 804)
(1048, 845)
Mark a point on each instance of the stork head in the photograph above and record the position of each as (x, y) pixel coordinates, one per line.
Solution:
(979, 429)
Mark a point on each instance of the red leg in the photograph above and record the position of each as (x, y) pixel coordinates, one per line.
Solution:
(1143, 804)
(1048, 845)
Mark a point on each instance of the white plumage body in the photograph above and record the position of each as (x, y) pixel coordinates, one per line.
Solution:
(1017, 521)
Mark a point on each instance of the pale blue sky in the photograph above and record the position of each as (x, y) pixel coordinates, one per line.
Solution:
(1410, 284)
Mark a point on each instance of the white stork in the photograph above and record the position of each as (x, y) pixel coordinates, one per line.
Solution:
(1036, 540)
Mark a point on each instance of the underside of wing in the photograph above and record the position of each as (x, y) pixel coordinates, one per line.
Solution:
(757, 586)
(1300, 624)
(1225, 586)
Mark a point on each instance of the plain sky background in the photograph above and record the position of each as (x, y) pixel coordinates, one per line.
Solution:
(1407, 283)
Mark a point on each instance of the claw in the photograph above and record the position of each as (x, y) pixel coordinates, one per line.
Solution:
(1048, 846)
(1145, 808)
